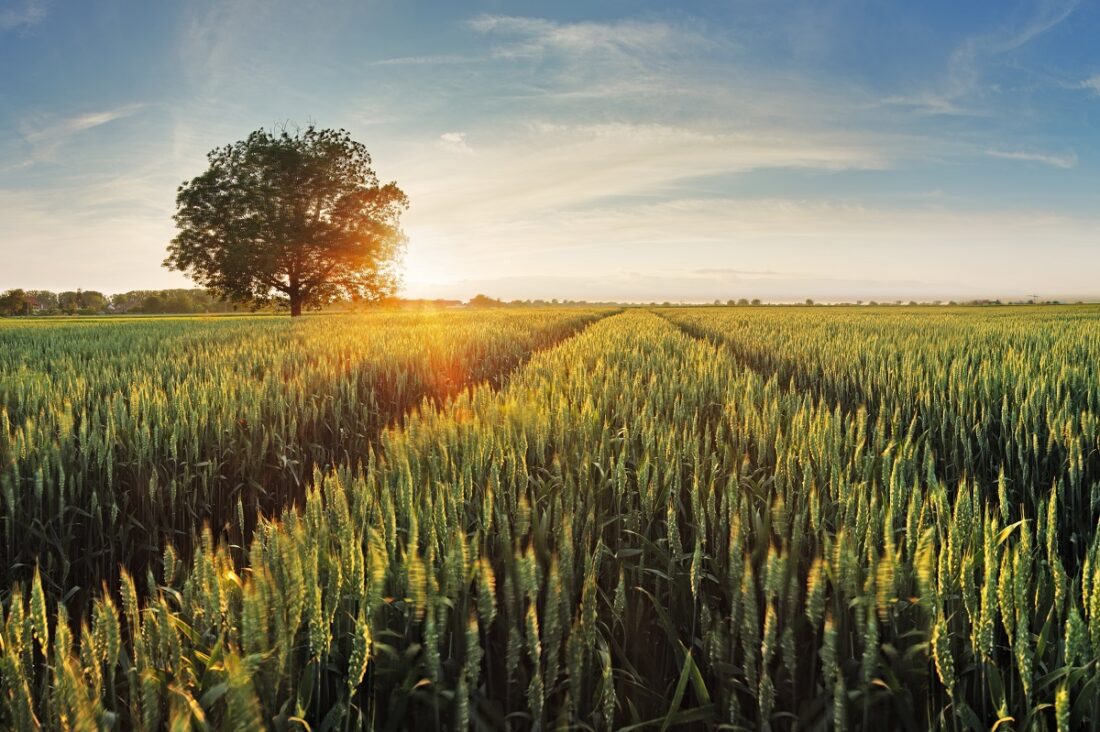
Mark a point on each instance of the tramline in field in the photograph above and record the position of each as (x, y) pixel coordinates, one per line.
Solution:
(120, 438)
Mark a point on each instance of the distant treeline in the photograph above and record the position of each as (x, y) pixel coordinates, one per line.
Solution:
(199, 301)
(481, 301)
(484, 301)
(91, 302)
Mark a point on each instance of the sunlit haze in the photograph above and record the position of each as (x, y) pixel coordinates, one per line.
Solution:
(612, 151)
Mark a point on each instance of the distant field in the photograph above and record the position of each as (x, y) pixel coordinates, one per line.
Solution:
(795, 518)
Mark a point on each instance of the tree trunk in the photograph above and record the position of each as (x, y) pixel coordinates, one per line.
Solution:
(295, 306)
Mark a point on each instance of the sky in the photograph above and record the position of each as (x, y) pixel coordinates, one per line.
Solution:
(616, 150)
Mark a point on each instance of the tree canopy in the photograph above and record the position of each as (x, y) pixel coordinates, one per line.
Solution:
(298, 218)
(15, 302)
(484, 301)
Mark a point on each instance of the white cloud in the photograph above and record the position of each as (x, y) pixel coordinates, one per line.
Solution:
(1057, 161)
(532, 37)
(22, 14)
(537, 34)
(455, 142)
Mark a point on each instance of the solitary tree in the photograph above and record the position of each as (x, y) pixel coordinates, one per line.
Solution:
(299, 219)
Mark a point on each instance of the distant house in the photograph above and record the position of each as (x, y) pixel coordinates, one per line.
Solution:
(40, 301)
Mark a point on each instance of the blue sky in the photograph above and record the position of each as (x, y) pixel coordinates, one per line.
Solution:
(625, 150)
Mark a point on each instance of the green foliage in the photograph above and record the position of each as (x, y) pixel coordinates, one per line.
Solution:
(294, 217)
(15, 302)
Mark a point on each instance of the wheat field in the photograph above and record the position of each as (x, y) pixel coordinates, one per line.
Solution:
(668, 518)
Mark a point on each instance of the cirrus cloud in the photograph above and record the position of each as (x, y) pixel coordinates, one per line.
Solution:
(1065, 161)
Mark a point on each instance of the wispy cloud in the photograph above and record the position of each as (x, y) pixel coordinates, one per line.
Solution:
(21, 14)
(647, 70)
(531, 37)
(229, 48)
(552, 166)
(427, 60)
(739, 273)
(1047, 15)
(959, 93)
(47, 133)
(212, 38)
(1057, 161)
(518, 37)
(64, 127)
